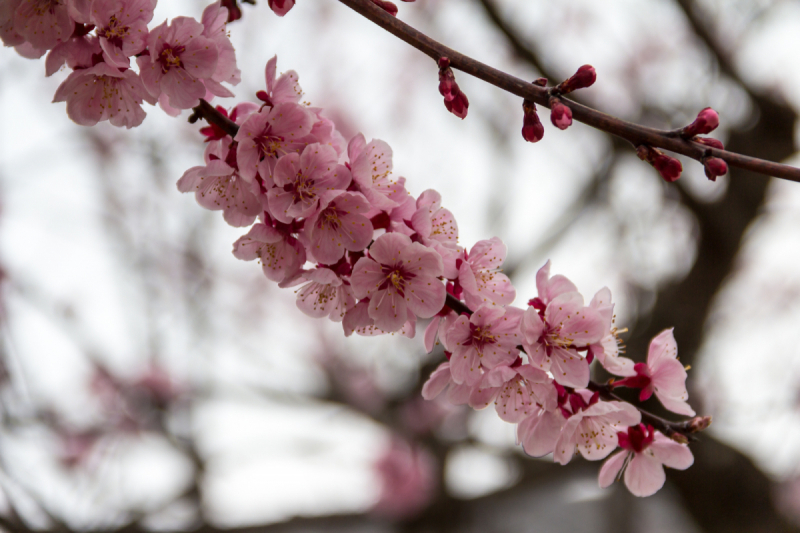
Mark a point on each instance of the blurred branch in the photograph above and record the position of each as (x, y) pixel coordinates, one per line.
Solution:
(635, 134)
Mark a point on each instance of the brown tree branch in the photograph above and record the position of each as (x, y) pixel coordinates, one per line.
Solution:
(635, 134)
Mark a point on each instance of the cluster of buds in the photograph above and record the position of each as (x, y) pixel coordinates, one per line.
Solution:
(560, 113)
(707, 121)
(454, 100)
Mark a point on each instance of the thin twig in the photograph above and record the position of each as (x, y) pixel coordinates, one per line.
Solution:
(636, 134)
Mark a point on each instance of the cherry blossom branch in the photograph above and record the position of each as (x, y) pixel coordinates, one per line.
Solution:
(678, 431)
(636, 134)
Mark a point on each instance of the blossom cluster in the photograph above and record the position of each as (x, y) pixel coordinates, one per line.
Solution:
(327, 216)
(178, 63)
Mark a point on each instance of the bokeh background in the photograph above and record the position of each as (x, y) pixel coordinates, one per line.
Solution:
(149, 380)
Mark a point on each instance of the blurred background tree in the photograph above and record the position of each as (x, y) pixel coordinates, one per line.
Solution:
(149, 380)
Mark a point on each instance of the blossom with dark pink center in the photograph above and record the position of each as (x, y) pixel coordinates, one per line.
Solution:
(339, 225)
(324, 294)
(486, 339)
(179, 59)
(662, 374)
(270, 134)
(280, 254)
(218, 186)
(593, 430)
(398, 276)
(480, 278)
(280, 90)
(121, 27)
(644, 455)
(301, 179)
(102, 93)
(518, 391)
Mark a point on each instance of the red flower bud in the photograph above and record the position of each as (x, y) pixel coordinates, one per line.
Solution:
(532, 128)
(458, 105)
(669, 167)
(714, 167)
(707, 121)
(560, 115)
(584, 77)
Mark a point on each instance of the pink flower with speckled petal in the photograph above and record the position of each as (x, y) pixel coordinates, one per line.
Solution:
(593, 430)
(324, 294)
(371, 165)
(662, 374)
(518, 391)
(218, 186)
(77, 53)
(43, 23)
(440, 380)
(480, 277)
(645, 453)
(358, 320)
(301, 179)
(284, 89)
(399, 275)
(121, 26)
(103, 93)
(179, 59)
(339, 225)
(280, 254)
(215, 18)
(539, 432)
(487, 339)
(606, 350)
(436, 227)
(270, 134)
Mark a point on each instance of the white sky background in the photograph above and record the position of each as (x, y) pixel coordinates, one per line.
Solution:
(112, 269)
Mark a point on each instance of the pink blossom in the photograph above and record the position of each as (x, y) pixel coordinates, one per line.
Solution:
(436, 227)
(408, 480)
(663, 374)
(43, 23)
(218, 186)
(338, 225)
(301, 179)
(518, 391)
(371, 165)
(645, 453)
(593, 430)
(77, 53)
(539, 432)
(438, 326)
(215, 18)
(399, 275)
(179, 59)
(551, 287)
(440, 380)
(358, 320)
(121, 26)
(280, 254)
(103, 93)
(480, 277)
(607, 349)
(269, 134)
(324, 294)
(485, 340)
(285, 89)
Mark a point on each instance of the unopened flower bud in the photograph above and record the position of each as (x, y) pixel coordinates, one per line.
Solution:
(708, 141)
(386, 6)
(669, 167)
(714, 166)
(707, 121)
(584, 77)
(454, 100)
(532, 128)
(458, 105)
(560, 115)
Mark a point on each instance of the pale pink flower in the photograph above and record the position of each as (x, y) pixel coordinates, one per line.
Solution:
(539, 432)
(399, 275)
(301, 179)
(408, 480)
(338, 225)
(77, 53)
(480, 277)
(593, 430)
(43, 23)
(518, 391)
(663, 374)
(215, 18)
(179, 59)
(438, 326)
(436, 227)
(607, 349)
(324, 294)
(121, 26)
(284, 89)
(268, 135)
(280, 254)
(371, 165)
(103, 93)
(358, 320)
(440, 380)
(218, 186)
(551, 287)
(487, 339)
(645, 453)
